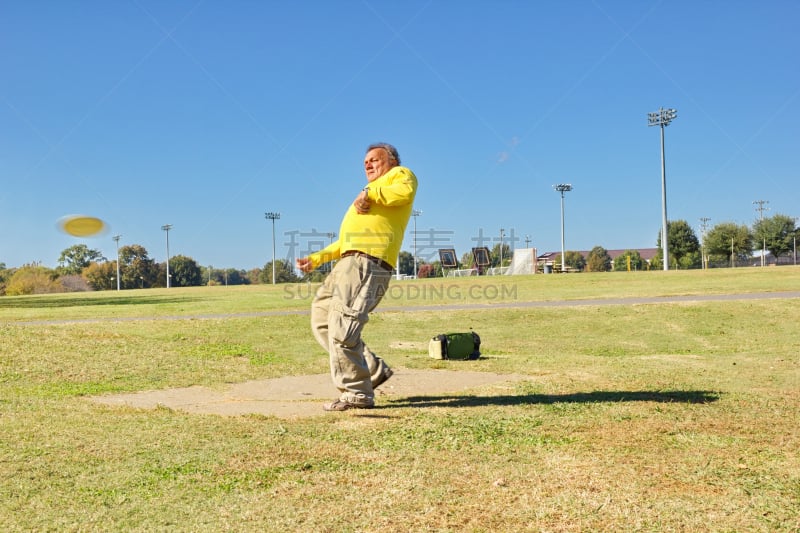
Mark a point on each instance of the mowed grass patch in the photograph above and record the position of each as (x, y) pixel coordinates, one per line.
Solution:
(598, 285)
(207, 302)
(77, 358)
(157, 303)
(649, 465)
(658, 417)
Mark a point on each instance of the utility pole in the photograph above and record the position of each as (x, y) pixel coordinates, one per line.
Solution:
(761, 209)
(330, 236)
(116, 240)
(703, 226)
(662, 118)
(415, 213)
(501, 250)
(273, 217)
(166, 228)
(562, 188)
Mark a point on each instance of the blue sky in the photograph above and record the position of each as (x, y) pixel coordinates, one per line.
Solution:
(207, 114)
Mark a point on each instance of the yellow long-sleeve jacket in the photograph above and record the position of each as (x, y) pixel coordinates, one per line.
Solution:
(380, 232)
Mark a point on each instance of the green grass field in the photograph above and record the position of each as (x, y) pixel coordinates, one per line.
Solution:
(658, 416)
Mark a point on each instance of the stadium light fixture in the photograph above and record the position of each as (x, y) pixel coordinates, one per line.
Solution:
(761, 209)
(662, 118)
(502, 234)
(562, 188)
(166, 228)
(273, 217)
(116, 240)
(703, 228)
(331, 235)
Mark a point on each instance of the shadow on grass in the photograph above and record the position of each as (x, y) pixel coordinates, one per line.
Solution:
(27, 302)
(688, 397)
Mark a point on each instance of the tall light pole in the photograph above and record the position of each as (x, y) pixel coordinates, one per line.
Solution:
(415, 213)
(331, 236)
(562, 188)
(662, 118)
(116, 240)
(703, 227)
(273, 217)
(761, 209)
(166, 228)
(501, 249)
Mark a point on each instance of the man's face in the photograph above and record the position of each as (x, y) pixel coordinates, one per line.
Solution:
(377, 162)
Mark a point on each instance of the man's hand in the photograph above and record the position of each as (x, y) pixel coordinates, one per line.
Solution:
(304, 264)
(362, 203)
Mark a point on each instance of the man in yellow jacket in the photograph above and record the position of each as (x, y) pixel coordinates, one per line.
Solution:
(369, 243)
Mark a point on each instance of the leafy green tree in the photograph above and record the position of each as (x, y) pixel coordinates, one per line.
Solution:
(33, 279)
(728, 243)
(284, 272)
(777, 233)
(636, 261)
(137, 270)
(598, 260)
(406, 263)
(77, 257)
(5, 273)
(690, 260)
(495, 255)
(212, 276)
(684, 247)
(101, 276)
(236, 277)
(227, 276)
(184, 272)
(254, 275)
(467, 261)
(436, 269)
(574, 260)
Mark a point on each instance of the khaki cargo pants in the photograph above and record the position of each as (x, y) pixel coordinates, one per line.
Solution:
(339, 312)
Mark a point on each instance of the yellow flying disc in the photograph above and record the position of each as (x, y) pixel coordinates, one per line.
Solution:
(81, 225)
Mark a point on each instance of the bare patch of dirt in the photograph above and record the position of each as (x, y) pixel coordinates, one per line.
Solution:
(299, 396)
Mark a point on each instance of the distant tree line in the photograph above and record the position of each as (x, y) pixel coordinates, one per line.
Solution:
(81, 268)
(726, 244)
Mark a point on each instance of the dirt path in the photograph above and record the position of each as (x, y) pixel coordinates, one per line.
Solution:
(300, 396)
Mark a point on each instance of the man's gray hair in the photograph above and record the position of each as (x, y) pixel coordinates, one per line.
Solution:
(391, 150)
